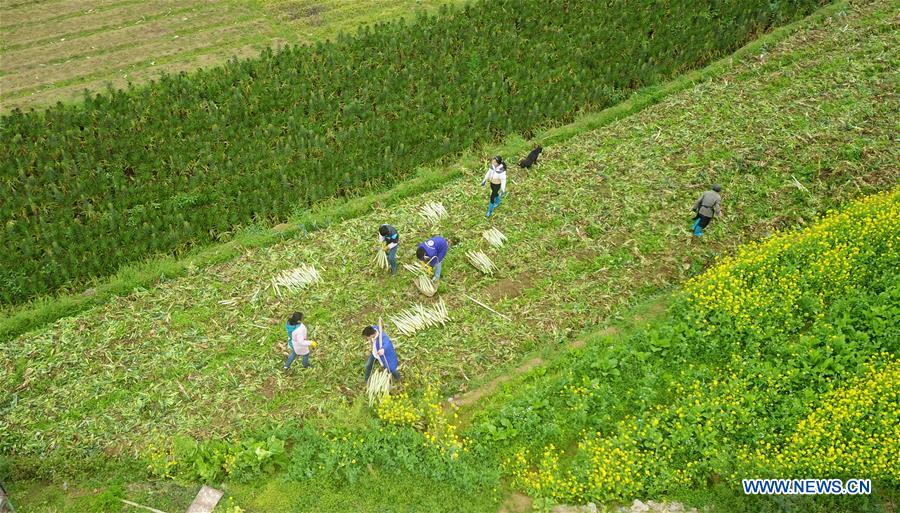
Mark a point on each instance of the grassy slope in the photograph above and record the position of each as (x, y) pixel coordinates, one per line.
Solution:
(18, 319)
(603, 220)
(611, 239)
(52, 51)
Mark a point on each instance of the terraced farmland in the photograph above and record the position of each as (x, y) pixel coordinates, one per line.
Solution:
(626, 359)
(52, 50)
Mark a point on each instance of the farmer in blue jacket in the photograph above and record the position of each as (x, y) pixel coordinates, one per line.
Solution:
(432, 253)
(382, 350)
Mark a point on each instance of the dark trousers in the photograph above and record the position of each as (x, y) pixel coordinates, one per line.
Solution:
(495, 192)
(371, 363)
(700, 222)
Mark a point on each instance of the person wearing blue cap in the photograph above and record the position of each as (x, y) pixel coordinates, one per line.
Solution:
(432, 253)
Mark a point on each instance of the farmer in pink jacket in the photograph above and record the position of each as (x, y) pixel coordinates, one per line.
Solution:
(298, 341)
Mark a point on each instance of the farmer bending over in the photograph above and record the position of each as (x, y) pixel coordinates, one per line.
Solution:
(496, 175)
(391, 239)
(431, 253)
(708, 206)
(382, 350)
(297, 342)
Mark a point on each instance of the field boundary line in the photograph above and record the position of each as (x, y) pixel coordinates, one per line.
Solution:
(42, 311)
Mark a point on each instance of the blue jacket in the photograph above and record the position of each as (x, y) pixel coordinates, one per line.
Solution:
(435, 249)
(389, 358)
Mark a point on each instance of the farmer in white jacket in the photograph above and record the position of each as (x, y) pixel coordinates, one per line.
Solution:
(496, 175)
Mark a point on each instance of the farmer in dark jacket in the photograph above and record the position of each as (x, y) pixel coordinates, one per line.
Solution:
(707, 207)
(391, 240)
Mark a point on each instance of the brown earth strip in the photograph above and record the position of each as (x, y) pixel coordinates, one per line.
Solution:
(509, 288)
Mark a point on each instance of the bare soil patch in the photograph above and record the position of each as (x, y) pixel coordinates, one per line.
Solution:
(268, 387)
(509, 288)
(516, 503)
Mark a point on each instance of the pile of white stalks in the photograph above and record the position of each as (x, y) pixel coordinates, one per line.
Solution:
(433, 212)
(481, 262)
(381, 260)
(379, 385)
(422, 280)
(294, 280)
(494, 237)
(419, 317)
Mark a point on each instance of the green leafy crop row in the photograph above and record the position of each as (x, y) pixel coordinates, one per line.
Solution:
(181, 162)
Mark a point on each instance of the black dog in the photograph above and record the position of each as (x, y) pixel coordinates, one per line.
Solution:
(532, 157)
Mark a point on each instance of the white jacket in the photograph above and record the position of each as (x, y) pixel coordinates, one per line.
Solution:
(496, 174)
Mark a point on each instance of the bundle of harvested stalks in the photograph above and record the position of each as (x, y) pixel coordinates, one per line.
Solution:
(381, 260)
(379, 385)
(423, 281)
(295, 279)
(425, 285)
(481, 262)
(418, 270)
(494, 237)
(418, 317)
(433, 212)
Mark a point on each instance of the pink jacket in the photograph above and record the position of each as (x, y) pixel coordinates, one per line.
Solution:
(299, 341)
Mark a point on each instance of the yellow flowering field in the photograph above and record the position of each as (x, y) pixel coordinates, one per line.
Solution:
(781, 361)
(854, 432)
(781, 283)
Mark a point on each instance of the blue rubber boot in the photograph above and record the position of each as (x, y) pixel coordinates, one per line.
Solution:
(697, 230)
(490, 209)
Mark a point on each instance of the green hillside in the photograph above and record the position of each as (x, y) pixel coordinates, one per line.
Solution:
(185, 161)
(802, 124)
